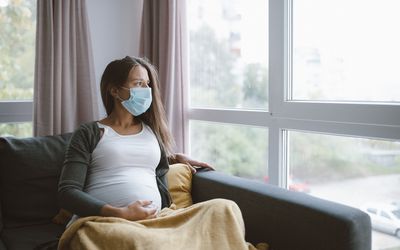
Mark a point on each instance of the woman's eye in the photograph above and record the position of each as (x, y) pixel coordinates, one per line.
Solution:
(141, 83)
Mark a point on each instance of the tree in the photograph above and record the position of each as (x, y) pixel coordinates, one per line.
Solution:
(17, 49)
(233, 149)
(212, 81)
(319, 158)
(238, 150)
(255, 87)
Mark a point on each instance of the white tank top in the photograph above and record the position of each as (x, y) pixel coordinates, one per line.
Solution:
(122, 168)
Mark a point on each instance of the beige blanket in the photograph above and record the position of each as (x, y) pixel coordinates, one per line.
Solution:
(214, 224)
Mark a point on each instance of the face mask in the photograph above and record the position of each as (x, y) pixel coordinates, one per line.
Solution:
(139, 101)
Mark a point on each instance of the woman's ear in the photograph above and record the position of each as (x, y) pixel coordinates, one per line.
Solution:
(114, 92)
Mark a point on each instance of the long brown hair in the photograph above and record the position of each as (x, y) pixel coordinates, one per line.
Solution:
(116, 75)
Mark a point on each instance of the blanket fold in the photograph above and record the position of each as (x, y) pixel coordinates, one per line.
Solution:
(213, 224)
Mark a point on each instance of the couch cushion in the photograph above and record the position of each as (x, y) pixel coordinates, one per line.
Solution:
(31, 236)
(29, 172)
(179, 179)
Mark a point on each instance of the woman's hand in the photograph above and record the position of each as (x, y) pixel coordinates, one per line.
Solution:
(182, 158)
(138, 210)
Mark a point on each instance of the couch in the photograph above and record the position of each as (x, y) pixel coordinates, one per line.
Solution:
(30, 168)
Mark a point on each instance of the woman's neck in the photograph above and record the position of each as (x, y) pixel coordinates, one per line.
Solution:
(120, 119)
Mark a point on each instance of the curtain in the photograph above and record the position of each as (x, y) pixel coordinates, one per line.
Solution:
(163, 42)
(64, 88)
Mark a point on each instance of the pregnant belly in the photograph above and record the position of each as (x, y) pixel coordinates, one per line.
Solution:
(123, 193)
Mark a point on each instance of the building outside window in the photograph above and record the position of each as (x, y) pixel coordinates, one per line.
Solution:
(303, 94)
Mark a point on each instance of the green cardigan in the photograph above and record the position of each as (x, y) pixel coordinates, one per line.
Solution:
(73, 175)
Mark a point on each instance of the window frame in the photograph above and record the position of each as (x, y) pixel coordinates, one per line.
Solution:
(16, 111)
(356, 119)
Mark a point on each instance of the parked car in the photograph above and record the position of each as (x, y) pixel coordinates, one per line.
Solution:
(384, 218)
(298, 185)
(396, 203)
(294, 184)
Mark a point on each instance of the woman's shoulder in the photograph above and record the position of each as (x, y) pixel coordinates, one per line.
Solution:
(88, 127)
(87, 133)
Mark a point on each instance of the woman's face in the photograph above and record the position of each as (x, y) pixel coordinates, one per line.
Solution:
(137, 78)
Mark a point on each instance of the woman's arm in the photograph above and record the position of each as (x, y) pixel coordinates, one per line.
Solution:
(182, 158)
(73, 175)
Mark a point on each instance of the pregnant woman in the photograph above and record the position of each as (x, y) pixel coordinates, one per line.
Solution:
(114, 176)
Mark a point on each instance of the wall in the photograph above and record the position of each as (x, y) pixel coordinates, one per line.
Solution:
(115, 32)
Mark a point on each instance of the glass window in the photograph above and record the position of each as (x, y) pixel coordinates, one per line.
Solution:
(228, 53)
(348, 170)
(346, 50)
(17, 49)
(234, 149)
(16, 129)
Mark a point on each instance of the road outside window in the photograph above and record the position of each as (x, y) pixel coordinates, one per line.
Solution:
(363, 173)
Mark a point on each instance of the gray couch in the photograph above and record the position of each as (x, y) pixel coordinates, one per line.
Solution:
(30, 168)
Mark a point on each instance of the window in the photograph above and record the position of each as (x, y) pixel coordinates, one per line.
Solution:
(331, 165)
(17, 40)
(233, 149)
(329, 118)
(228, 54)
(229, 79)
(23, 129)
(340, 53)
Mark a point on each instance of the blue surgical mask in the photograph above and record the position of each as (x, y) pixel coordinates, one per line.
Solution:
(139, 101)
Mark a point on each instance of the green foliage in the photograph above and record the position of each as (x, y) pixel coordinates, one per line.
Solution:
(13, 93)
(233, 149)
(17, 48)
(16, 129)
(255, 87)
(319, 158)
(213, 84)
(237, 150)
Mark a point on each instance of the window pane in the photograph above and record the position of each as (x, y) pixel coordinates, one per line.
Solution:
(234, 149)
(228, 53)
(362, 173)
(346, 50)
(17, 49)
(16, 129)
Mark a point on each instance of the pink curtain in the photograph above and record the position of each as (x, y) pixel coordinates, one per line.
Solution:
(163, 41)
(64, 89)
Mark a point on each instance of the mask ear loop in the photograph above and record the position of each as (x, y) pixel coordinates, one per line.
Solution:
(118, 97)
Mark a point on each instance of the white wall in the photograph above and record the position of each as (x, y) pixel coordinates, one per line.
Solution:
(115, 32)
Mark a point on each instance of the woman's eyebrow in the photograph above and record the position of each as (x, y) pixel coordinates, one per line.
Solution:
(139, 79)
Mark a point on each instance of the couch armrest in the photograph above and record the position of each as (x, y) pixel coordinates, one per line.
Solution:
(286, 219)
(2, 246)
